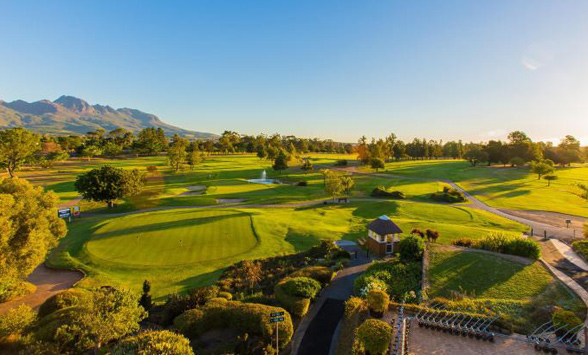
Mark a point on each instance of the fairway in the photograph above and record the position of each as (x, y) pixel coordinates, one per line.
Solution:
(171, 238)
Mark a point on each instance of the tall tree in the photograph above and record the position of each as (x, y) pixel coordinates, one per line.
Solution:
(29, 229)
(334, 186)
(176, 152)
(17, 146)
(541, 168)
(106, 184)
(281, 162)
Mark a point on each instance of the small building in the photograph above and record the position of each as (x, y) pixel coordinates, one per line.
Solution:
(383, 236)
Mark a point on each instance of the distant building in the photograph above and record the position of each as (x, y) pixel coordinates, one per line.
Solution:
(383, 236)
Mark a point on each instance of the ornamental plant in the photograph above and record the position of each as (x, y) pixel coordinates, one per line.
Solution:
(374, 336)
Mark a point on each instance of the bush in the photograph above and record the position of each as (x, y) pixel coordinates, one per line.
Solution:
(13, 288)
(300, 287)
(322, 274)
(302, 183)
(69, 298)
(250, 318)
(562, 317)
(581, 247)
(378, 301)
(199, 296)
(341, 162)
(516, 161)
(381, 191)
(464, 242)
(508, 244)
(225, 295)
(352, 305)
(374, 336)
(411, 249)
(151, 169)
(448, 195)
(396, 278)
(16, 320)
(154, 342)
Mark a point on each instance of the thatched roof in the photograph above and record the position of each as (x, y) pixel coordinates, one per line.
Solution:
(383, 226)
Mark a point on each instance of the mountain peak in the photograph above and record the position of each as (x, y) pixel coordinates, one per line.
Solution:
(74, 104)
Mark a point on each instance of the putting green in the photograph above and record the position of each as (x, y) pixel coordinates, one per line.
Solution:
(172, 238)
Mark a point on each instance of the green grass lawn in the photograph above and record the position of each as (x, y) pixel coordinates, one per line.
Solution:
(518, 291)
(505, 187)
(127, 250)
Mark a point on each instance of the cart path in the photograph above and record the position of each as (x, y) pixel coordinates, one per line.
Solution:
(569, 254)
(48, 282)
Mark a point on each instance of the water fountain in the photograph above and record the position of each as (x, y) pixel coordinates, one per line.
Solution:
(264, 179)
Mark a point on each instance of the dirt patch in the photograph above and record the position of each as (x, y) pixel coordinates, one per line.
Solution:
(427, 341)
(229, 200)
(49, 282)
(194, 190)
(552, 218)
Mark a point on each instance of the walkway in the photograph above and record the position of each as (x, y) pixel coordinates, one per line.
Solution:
(49, 282)
(569, 254)
(341, 288)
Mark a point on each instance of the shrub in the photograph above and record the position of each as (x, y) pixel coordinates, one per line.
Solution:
(322, 274)
(13, 288)
(516, 161)
(352, 305)
(397, 278)
(151, 169)
(411, 249)
(464, 242)
(378, 301)
(300, 287)
(69, 298)
(562, 317)
(374, 336)
(508, 244)
(448, 195)
(225, 295)
(341, 162)
(200, 295)
(302, 183)
(16, 320)
(154, 342)
(250, 318)
(381, 191)
(581, 247)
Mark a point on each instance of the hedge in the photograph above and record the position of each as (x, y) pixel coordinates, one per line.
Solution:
(448, 195)
(508, 244)
(374, 336)
(411, 248)
(322, 274)
(396, 277)
(381, 191)
(378, 301)
(154, 342)
(297, 306)
(250, 318)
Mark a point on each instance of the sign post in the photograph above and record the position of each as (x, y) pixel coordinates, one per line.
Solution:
(276, 317)
(64, 213)
(75, 211)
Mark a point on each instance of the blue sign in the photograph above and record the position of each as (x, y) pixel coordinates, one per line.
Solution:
(274, 320)
(276, 314)
(64, 213)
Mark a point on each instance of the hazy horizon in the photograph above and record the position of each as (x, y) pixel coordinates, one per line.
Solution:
(334, 69)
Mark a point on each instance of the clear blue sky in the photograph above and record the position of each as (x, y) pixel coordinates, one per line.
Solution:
(339, 69)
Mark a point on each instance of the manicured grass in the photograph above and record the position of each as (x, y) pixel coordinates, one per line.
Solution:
(173, 238)
(505, 187)
(109, 251)
(514, 289)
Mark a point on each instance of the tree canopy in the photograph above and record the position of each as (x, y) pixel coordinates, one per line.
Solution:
(106, 184)
(17, 146)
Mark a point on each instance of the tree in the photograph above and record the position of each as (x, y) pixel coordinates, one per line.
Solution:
(106, 184)
(334, 186)
(261, 152)
(145, 300)
(281, 162)
(110, 315)
(411, 249)
(541, 168)
(550, 178)
(194, 158)
(111, 149)
(16, 320)
(347, 183)
(377, 163)
(307, 165)
(250, 272)
(476, 156)
(154, 342)
(516, 162)
(150, 141)
(29, 229)
(90, 151)
(176, 153)
(17, 146)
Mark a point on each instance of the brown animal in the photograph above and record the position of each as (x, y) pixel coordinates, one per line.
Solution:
(432, 235)
(418, 232)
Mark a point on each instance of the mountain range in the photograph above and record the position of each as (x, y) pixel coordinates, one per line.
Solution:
(71, 115)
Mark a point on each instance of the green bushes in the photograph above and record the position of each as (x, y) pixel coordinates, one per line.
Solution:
(295, 294)
(464, 242)
(353, 305)
(396, 278)
(16, 320)
(322, 274)
(374, 336)
(65, 299)
(411, 249)
(250, 318)
(581, 247)
(341, 162)
(225, 295)
(378, 301)
(381, 191)
(448, 195)
(508, 244)
(154, 342)
(565, 318)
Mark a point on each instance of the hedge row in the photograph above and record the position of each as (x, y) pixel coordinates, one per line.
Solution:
(505, 244)
(250, 318)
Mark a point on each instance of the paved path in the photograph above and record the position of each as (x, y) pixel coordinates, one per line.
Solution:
(569, 254)
(49, 282)
(341, 288)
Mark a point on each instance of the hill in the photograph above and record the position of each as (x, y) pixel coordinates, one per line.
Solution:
(71, 115)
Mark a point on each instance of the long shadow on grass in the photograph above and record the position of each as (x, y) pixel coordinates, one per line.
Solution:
(301, 242)
(162, 226)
